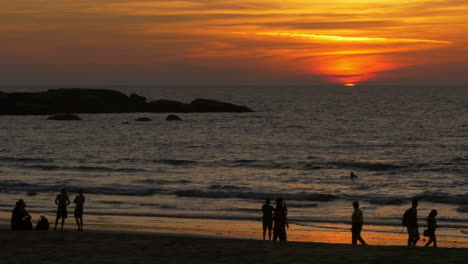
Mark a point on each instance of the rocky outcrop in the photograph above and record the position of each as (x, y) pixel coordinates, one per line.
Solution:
(76, 100)
(143, 119)
(206, 105)
(173, 118)
(64, 117)
(166, 106)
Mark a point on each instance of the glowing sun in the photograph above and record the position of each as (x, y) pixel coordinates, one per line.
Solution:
(350, 85)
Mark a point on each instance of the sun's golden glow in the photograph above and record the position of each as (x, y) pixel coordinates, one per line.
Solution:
(337, 41)
(350, 85)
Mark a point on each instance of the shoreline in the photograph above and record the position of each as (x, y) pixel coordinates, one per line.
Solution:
(105, 246)
(251, 230)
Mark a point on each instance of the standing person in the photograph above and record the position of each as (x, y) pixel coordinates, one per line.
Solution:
(20, 218)
(280, 219)
(62, 201)
(357, 220)
(79, 201)
(431, 228)
(267, 218)
(410, 220)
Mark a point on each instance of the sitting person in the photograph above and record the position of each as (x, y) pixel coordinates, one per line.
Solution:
(20, 218)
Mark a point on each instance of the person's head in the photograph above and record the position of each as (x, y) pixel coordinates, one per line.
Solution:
(356, 204)
(80, 191)
(279, 201)
(267, 201)
(63, 191)
(433, 213)
(21, 203)
(414, 203)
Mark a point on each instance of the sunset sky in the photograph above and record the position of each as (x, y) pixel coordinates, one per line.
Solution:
(233, 42)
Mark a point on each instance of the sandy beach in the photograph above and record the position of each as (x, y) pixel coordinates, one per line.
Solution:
(140, 247)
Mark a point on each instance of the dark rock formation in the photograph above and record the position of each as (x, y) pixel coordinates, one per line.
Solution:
(143, 119)
(164, 106)
(77, 100)
(206, 105)
(173, 118)
(64, 117)
(136, 99)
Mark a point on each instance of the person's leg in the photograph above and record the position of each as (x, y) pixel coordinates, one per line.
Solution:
(81, 223)
(275, 235)
(77, 222)
(269, 232)
(63, 223)
(353, 237)
(429, 242)
(435, 241)
(361, 240)
(56, 221)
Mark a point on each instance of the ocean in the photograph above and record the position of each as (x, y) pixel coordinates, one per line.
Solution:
(301, 143)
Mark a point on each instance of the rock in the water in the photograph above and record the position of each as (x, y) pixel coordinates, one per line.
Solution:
(64, 117)
(207, 105)
(173, 118)
(144, 119)
(125, 123)
(76, 100)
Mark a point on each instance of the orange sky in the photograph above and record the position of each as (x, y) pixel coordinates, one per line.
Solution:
(233, 41)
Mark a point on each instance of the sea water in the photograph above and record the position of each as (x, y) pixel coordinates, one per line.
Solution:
(301, 143)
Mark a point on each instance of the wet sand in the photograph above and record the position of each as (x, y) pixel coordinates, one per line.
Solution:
(98, 246)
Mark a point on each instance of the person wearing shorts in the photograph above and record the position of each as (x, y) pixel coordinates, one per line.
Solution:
(267, 218)
(62, 201)
(79, 201)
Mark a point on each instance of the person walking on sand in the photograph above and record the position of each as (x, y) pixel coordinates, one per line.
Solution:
(79, 203)
(410, 220)
(357, 221)
(267, 218)
(431, 228)
(280, 219)
(62, 201)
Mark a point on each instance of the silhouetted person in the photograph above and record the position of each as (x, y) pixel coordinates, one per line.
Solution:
(267, 219)
(357, 220)
(431, 228)
(352, 176)
(79, 201)
(62, 201)
(280, 219)
(20, 218)
(410, 220)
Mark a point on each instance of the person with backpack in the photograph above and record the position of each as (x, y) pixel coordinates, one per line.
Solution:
(410, 220)
(79, 201)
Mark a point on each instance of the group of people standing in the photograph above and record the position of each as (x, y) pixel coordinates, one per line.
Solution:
(276, 219)
(21, 219)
